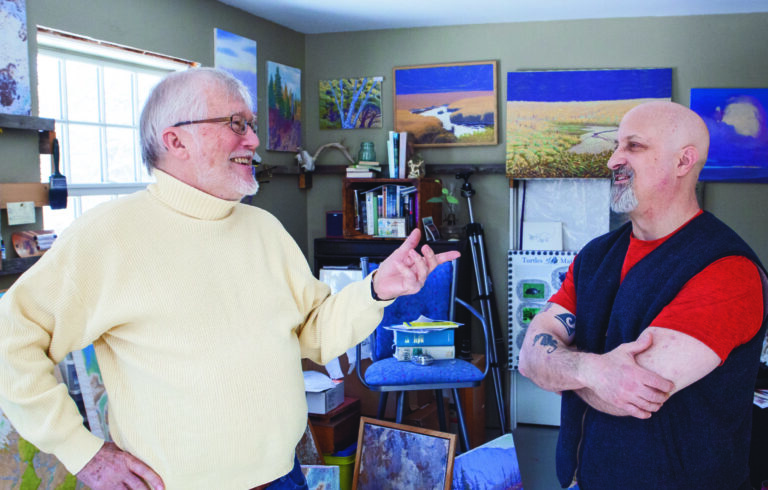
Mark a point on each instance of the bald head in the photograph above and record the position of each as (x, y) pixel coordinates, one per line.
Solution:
(676, 125)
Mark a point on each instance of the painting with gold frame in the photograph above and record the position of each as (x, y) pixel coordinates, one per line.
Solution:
(449, 104)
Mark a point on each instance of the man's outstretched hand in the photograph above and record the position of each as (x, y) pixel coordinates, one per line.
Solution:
(113, 468)
(405, 270)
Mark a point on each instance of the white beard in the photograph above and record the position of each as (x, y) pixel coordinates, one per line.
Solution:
(623, 199)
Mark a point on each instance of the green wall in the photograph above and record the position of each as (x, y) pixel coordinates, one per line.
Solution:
(704, 51)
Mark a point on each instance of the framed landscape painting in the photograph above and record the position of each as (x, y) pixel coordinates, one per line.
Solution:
(391, 455)
(237, 56)
(350, 103)
(563, 123)
(284, 103)
(454, 104)
(738, 131)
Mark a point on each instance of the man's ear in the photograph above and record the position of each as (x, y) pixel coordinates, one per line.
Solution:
(174, 144)
(689, 156)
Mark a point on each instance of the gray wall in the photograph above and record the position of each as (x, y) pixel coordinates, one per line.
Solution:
(178, 28)
(705, 51)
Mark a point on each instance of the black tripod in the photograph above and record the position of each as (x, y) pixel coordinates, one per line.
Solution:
(485, 295)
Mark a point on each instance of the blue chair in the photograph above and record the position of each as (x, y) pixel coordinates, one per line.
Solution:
(386, 374)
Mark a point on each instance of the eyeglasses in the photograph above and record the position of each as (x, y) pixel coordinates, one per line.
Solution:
(237, 123)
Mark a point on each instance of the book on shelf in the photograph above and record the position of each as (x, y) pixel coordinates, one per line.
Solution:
(437, 337)
(363, 168)
(402, 155)
(437, 352)
(365, 174)
(366, 163)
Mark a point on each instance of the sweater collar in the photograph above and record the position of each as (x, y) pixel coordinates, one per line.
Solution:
(188, 200)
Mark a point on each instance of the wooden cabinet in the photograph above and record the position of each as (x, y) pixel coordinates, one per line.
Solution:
(353, 190)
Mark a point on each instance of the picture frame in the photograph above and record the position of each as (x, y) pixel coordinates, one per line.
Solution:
(447, 104)
(308, 449)
(430, 228)
(402, 456)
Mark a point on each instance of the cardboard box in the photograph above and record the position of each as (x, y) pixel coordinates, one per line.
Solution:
(325, 401)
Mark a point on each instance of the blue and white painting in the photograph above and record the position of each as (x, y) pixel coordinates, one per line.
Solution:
(447, 105)
(321, 477)
(237, 55)
(738, 132)
(492, 466)
(14, 59)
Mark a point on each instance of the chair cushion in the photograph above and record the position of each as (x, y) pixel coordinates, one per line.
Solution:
(432, 301)
(391, 372)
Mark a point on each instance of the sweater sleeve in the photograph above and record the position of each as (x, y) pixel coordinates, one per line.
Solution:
(41, 321)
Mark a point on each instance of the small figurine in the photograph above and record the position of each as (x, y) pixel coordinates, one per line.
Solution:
(416, 167)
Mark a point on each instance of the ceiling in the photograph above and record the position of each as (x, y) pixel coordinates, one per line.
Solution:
(324, 16)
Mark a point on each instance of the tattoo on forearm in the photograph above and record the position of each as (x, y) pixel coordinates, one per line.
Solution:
(569, 322)
(546, 340)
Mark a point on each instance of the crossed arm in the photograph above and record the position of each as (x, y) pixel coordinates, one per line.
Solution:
(634, 379)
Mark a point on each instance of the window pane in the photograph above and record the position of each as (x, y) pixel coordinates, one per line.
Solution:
(146, 83)
(84, 165)
(82, 92)
(118, 107)
(58, 219)
(120, 165)
(48, 87)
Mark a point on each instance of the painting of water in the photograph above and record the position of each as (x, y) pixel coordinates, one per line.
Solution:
(237, 56)
(562, 124)
(397, 456)
(738, 132)
(447, 104)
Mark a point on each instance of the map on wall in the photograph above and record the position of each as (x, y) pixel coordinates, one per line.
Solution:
(14, 59)
(563, 123)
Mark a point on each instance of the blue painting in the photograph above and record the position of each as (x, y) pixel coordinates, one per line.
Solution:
(237, 56)
(14, 59)
(738, 132)
(322, 477)
(447, 105)
(492, 466)
(403, 457)
(563, 124)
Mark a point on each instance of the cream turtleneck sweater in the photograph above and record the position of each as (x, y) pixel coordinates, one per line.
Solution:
(200, 311)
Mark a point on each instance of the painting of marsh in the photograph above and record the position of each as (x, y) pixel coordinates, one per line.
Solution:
(563, 124)
(448, 104)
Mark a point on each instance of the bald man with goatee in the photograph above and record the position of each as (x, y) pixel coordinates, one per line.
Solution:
(654, 339)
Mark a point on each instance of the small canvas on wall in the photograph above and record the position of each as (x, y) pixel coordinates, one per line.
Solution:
(350, 103)
(563, 124)
(237, 56)
(738, 130)
(284, 103)
(451, 104)
(14, 59)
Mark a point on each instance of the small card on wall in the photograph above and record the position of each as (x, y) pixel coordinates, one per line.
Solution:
(21, 213)
(542, 235)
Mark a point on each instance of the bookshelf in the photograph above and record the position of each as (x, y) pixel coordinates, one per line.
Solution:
(425, 189)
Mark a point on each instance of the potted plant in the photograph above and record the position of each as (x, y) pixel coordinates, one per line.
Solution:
(449, 229)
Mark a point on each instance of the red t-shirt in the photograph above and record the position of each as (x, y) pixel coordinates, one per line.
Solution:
(722, 306)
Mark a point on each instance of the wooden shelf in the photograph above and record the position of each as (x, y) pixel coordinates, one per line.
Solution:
(21, 192)
(44, 127)
(426, 189)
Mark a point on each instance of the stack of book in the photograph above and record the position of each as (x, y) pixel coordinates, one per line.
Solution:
(363, 170)
(387, 210)
(425, 337)
(397, 154)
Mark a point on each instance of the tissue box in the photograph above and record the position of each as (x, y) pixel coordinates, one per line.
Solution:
(325, 401)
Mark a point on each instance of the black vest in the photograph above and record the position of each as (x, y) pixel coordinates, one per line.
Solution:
(700, 436)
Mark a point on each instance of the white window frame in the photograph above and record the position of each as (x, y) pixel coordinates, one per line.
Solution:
(67, 46)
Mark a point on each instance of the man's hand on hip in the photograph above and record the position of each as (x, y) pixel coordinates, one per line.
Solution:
(113, 468)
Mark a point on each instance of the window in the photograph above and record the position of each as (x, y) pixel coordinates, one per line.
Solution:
(95, 92)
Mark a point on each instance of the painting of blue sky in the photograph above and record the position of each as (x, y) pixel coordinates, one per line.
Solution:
(738, 132)
(237, 55)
